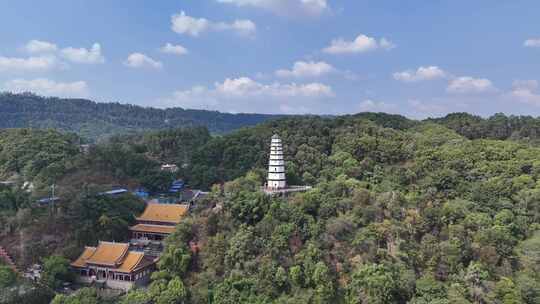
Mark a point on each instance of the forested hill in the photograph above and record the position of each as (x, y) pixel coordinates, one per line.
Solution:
(98, 120)
(498, 126)
(92, 120)
(401, 211)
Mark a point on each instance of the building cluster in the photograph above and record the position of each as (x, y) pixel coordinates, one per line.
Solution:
(157, 222)
(114, 265)
(127, 265)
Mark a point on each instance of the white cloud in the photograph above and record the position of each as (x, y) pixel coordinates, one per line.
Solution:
(303, 69)
(184, 24)
(82, 55)
(174, 49)
(40, 63)
(246, 87)
(251, 96)
(532, 42)
(525, 91)
(285, 7)
(421, 74)
(386, 44)
(370, 105)
(37, 46)
(46, 87)
(241, 27)
(466, 85)
(139, 60)
(525, 84)
(361, 44)
(53, 55)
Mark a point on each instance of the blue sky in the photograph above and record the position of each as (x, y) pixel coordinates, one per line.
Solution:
(412, 57)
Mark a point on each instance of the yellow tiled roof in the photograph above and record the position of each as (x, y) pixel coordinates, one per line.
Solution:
(168, 213)
(81, 261)
(114, 255)
(108, 253)
(131, 261)
(153, 228)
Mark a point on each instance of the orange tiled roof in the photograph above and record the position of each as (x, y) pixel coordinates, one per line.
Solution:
(168, 213)
(153, 228)
(114, 255)
(132, 260)
(81, 261)
(108, 253)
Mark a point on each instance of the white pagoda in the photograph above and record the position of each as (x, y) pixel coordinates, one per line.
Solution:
(277, 180)
(276, 165)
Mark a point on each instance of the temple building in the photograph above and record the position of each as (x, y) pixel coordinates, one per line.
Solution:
(114, 266)
(276, 183)
(276, 165)
(158, 221)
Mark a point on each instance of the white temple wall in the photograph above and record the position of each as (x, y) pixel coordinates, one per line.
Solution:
(277, 184)
(116, 284)
(276, 163)
(276, 169)
(276, 176)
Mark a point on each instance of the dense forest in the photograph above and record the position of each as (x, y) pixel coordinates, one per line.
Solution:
(401, 211)
(93, 121)
(100, 120)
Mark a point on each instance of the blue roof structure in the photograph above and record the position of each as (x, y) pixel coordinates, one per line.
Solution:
(141, 192)
(48, 200)
(114, 192)
(176, 186)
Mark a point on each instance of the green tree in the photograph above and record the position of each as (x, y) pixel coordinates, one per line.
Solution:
(175, 260)
(323, 282)
(175, 293)
(428, 290)
(55, 271)
(375, 283)
(7, 276)
(82, 296)
(136, 296)
(506, 292)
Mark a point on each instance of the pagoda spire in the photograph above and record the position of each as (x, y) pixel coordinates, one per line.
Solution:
(276, 165)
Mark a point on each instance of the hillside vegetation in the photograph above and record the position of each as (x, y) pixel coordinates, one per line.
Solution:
(95, 121)
(401, 211)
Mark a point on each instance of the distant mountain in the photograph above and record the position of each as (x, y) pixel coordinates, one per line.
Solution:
(94, 120)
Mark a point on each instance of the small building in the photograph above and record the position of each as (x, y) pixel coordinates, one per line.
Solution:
(114, 266)
(33, 273)
(172, 168)
(158, 221)
(177, 186)
(84, 149)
